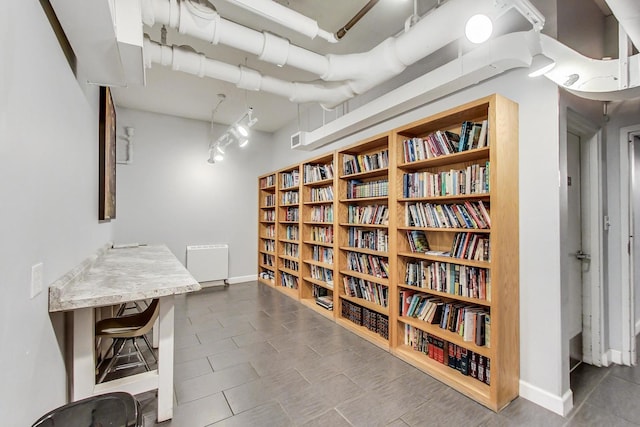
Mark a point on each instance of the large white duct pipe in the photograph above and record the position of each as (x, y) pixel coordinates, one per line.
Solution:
(363, 70)
(627, 12)
(188, 61)
(590, 78)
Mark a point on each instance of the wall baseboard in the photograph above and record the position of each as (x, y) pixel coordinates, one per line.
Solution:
(242, 279)
(561, 405)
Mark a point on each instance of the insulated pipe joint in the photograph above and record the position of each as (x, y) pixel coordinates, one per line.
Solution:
(249, 79)
(275, 49)
(199, 21)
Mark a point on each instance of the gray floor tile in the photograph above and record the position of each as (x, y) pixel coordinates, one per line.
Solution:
(200, 413)
(448, 408)
(185, 340)
(258, 336)
(629, 373)
(205, 385)
(203, 350)
(191, 369)
(269, 415)
(584, 379)
(259, 351)
(523, 412)
(590, 416)
(329, 419)
(397, 423)
(223, 333)
(619, 397)
(259, 392)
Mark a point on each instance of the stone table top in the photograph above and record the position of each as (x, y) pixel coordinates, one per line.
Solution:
(117, 275)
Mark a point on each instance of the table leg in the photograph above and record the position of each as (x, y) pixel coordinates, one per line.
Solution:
(84, 370)
(165, 359)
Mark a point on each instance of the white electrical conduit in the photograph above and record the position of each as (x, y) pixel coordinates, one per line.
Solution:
(363, 70)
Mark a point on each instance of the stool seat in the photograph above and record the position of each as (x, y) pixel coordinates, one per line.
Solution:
(117, 409)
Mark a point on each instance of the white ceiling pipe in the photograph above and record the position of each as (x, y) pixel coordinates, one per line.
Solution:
(429, 34)
(286, 17)
(627, 12)
(186, 60)
(206, 24)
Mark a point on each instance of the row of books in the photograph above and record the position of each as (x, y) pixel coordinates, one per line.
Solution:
(313, 173)
(325, 301)
(322, 194)
(267, 275)
(290, 198)
(357, 189)
(373, 321)
(368, 264)
(449, 215)
(322, 254)
(473, 135)
(439, 143)
(454, 279)
(365, 162)
(288, 281)
(268, 181)
(322, 214)
(375, 240)
(290, 179)
(291, 249)
(367, 290)
(471, 246)
(292, 214)
(269, 200)
(269, 245)
(269, 215)
(322, 274)
(270, 231)
(291, 265)
(321, 234)
(292, 232)
(471, 323)
(369, 214)
(268, 260)
(474, 179)
(452, 355)
(418, 241)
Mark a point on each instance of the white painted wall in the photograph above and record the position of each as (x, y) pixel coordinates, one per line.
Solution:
(541, 347)
(171, 195)
(49, 214)
(636, 230)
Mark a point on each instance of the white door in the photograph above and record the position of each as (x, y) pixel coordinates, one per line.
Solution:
(575, 258)
(635, 226)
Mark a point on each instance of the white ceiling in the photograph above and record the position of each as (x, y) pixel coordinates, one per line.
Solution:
(184, 95)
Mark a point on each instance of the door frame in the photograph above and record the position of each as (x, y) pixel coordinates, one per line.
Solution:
(593, 294)
(627, 305)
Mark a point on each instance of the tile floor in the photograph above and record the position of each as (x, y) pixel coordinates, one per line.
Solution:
(248, 355)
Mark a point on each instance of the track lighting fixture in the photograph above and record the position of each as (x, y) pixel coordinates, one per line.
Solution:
(238, 132)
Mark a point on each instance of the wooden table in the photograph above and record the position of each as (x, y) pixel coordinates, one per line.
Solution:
(115, 276)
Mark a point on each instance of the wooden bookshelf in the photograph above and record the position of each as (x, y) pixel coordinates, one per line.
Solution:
(363, 235)
(500, 271)
(288, 216)
(318, 230)
(463, 203)
(267, 243)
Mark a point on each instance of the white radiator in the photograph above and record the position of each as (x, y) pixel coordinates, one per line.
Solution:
(208, 263)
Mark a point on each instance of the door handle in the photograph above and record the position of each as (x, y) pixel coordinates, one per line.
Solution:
(582, 256)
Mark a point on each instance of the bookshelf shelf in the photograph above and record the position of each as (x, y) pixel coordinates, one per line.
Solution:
(469, 300)
(447, 259)
(364, 251)
(316, 199)
(364, 276)
(319, 283)
(451, 337)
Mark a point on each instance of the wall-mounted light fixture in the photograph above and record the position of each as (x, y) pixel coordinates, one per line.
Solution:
(238, 132)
